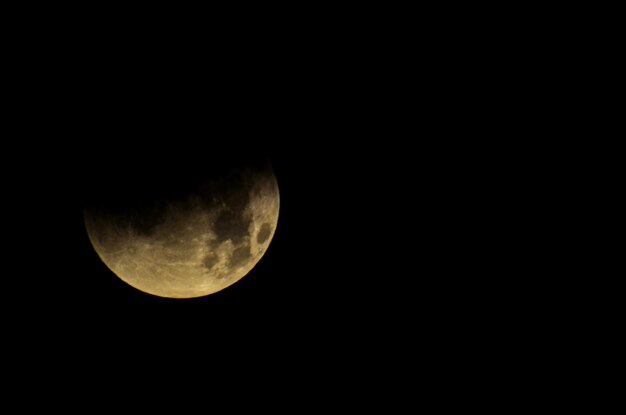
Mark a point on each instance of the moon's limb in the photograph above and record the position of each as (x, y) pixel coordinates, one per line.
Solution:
(196, 248)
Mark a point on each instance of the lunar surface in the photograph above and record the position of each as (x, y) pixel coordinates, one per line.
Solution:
(188, 243)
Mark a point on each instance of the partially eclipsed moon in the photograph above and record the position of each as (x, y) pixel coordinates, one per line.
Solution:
(191, 245)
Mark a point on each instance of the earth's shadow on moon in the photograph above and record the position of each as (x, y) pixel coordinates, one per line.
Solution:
(139, 187)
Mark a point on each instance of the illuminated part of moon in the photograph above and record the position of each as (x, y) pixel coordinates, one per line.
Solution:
(194, 246)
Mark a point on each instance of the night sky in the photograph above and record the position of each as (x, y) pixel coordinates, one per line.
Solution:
(344, 186)
(325, 272)
(419, 192)
(369, 263)
(381, 261)
(364, 263)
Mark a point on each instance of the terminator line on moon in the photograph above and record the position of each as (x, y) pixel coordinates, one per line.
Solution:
(195, 245)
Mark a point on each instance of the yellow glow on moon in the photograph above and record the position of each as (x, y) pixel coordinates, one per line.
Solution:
(194, 250)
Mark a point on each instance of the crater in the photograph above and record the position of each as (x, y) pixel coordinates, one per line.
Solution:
(240, 256)
(209, 261)
(264, 233)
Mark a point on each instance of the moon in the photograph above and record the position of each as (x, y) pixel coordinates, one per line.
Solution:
(176, 237)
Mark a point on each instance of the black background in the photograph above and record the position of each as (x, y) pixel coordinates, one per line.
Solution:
(328, 285)
(398, 203)
(359, 269)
